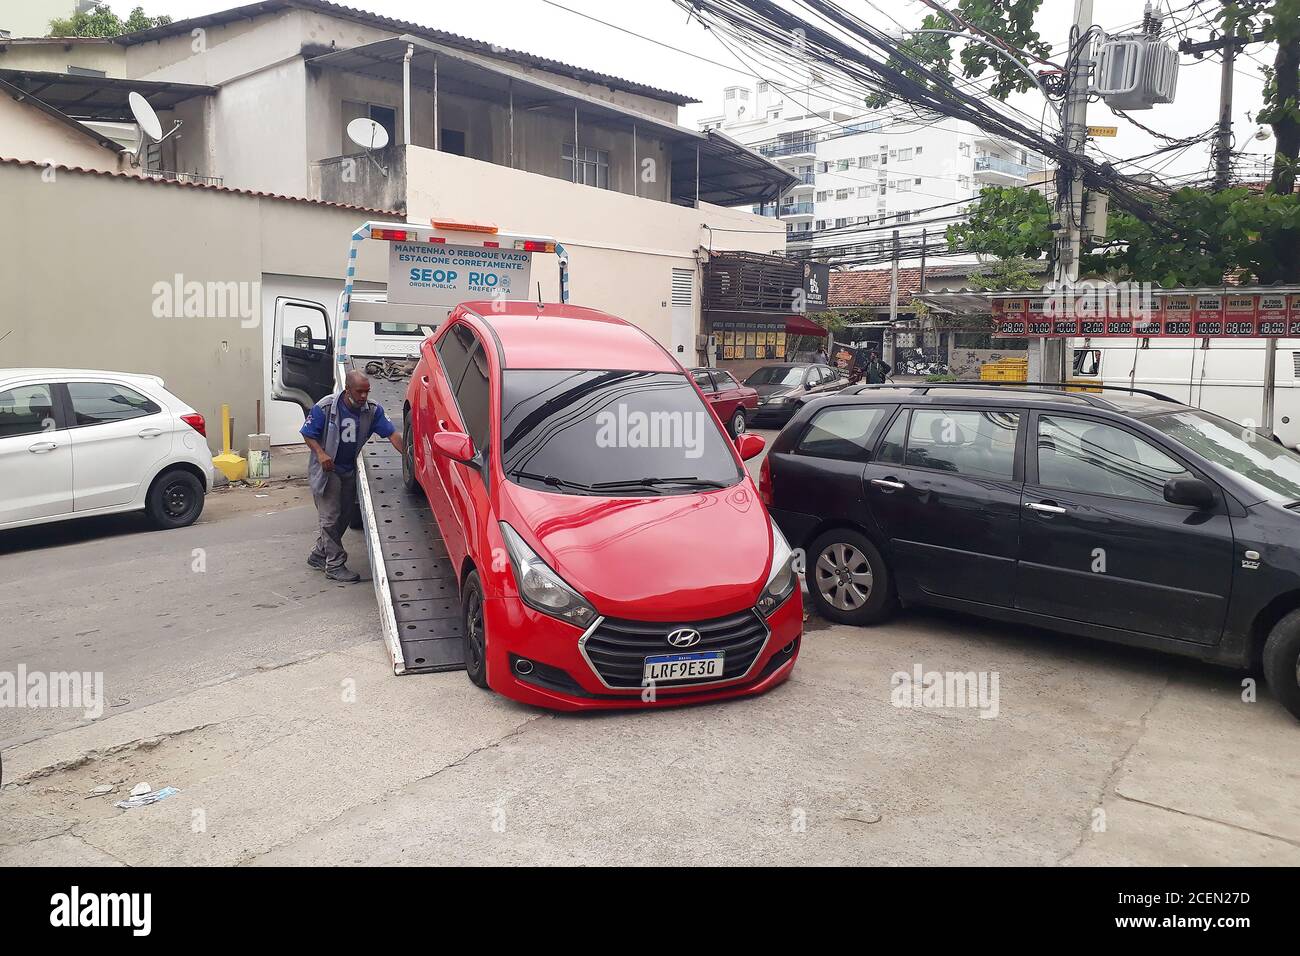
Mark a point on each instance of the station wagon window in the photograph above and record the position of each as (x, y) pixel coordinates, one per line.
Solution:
(26, 410)
(97, 403)
(972, 442)
(892, 448)
(844, 432)
(1075, 454)
(1270, 468)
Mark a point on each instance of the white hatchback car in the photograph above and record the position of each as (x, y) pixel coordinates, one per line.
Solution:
(75, 443)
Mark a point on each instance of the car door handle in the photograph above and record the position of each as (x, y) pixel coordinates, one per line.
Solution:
(888, 483)
(1044, 508)
(41, 447)
(150, 432)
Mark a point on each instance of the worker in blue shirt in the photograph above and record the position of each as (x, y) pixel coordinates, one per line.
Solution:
(335, 430)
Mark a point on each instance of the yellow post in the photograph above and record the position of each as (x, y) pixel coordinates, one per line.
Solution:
(229, 464)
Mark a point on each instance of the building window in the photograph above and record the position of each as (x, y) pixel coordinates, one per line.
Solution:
(773, 114)
(863, 192)
(823, 167)
(905, 155)
(841, 222)
(963, 182)
(744, 94)
(844, 194)
(918, 150)
(730, 94)
(963, 149)
(592, 165)
(821, 223)
(884, 157)
(866, 161)
(841, 165)
(762, 87)
(916, 181)
(824, 195)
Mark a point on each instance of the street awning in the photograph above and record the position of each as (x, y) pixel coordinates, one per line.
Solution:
(100, 98)
(802, 325)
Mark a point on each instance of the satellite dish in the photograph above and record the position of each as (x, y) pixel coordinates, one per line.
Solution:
(367, 134)
(150, 126)
(145, 117)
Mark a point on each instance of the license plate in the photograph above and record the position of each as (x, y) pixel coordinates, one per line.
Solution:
(705, 665)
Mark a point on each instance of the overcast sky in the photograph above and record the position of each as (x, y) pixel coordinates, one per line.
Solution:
(543, 28)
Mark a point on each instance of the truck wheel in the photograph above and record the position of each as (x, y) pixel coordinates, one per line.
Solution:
(848, 579)
(737, 423)
(1282, 662)
(175, 499)
(475, 630)
(409, 482)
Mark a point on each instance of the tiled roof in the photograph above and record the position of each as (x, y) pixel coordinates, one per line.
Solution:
(871, 287)
(150, 181)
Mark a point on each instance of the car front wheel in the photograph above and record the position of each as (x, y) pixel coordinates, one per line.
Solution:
(474, 627)
(175, 500)
(1282, 662)
(848, 579)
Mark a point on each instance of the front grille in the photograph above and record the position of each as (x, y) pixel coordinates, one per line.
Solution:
(617, 649)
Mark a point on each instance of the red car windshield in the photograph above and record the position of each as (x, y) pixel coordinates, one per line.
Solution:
(610, 433)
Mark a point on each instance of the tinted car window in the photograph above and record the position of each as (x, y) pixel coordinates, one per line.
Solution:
(1079, 455)
(776, 375)
(454, 349)
(96, 403)
(473, 396)
(571, 432)
(703, 381)
(724, 380)
(843, 432)
(895, 441)
(978, 443)
(26, 410)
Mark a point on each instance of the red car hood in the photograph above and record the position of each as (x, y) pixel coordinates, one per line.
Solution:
(670, 558)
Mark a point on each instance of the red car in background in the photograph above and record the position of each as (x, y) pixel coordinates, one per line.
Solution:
(610, 547)
(732, 402)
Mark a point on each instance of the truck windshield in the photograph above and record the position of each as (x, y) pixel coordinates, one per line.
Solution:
(1271, 468)
(610, 433)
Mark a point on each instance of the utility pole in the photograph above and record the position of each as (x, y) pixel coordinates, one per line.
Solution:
(887, 352)
(1069, 199)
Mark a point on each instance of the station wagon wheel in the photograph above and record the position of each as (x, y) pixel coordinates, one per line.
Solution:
(475, 630)
(1282, 662)
(848, 579)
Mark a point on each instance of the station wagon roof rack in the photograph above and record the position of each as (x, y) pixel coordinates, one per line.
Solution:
(1071, 388)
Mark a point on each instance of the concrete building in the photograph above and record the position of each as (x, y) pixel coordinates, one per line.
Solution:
(862, 173)
(263, 94)
(26, 18)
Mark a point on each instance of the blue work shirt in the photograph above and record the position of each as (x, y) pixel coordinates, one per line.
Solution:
(345, 459)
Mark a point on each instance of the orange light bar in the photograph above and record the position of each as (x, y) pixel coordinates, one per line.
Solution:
(392, 235)
(532, 245)
(464, 226)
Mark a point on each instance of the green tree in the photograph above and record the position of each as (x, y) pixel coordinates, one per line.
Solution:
(100, 21)
(1006, 223)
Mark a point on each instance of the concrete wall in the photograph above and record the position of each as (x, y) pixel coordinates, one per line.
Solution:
(622, 249)
(87, 296)
(28, 133)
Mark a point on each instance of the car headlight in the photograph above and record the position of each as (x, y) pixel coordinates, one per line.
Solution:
(782, 580)
(540, 587)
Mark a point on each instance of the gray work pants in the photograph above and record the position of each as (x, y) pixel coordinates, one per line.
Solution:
(335, 508)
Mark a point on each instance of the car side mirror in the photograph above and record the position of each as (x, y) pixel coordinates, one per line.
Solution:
(302, 337)
(1192, 492)
(454, 445)
(750, 446)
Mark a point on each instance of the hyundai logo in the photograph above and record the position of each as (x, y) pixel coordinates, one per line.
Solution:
(684, 637)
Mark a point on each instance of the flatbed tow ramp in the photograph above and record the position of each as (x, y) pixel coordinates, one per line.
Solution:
(415, 584)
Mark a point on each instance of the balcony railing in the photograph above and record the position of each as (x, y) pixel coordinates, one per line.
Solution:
(806, 179)
(993, 164)
(173, 176)
(797, 209)
(789, 149)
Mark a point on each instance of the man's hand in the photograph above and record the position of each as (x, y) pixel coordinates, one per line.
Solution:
(326, 462)
(396, 439)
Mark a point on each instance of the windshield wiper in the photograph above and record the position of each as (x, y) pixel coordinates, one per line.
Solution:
(691, 480)
(553, 481)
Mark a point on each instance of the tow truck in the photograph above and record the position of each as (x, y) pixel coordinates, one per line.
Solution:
(431, 270)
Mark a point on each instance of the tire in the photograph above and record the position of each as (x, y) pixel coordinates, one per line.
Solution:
(175, 499)
(737, 424)
(866, 598)
(1282, 662)
(474, 630)
(410, 484)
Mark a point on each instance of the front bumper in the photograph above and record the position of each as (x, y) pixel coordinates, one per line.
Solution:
(772, 414)
(561, 678)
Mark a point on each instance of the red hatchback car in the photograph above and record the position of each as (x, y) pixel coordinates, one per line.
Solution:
(610, 547)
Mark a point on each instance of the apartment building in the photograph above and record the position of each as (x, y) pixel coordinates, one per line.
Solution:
(263, 94)
(863, 173)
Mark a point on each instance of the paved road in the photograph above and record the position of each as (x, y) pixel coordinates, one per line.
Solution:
(291, 742)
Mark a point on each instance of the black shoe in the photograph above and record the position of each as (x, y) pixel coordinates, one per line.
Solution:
(315, 562)
(343, 574)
